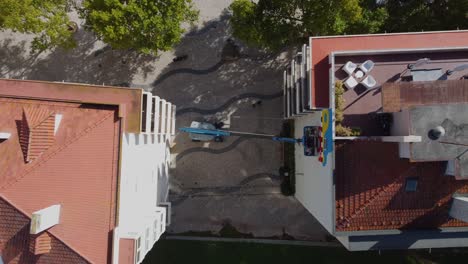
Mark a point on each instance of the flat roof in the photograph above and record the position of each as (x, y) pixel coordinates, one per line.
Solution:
(452, 117)
(322, 47)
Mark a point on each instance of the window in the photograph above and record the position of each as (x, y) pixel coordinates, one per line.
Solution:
(147, 239)
(160, 117)
(411, 184)
(138, 250)
(153, 113)
(155, 230)
(168, 117)
(144, 104)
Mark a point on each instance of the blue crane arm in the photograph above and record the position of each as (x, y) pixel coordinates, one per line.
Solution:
(287, 140)
(201, 131)
(225, 133)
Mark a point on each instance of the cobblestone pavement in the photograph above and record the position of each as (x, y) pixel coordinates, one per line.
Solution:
(236, 180)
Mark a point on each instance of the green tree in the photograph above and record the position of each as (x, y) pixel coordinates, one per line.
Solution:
(45, 18)
(276, 23)
(417, 15)
(145, 25)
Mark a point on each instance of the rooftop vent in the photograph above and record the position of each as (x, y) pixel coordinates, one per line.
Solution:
(436, 133)
(44, 219)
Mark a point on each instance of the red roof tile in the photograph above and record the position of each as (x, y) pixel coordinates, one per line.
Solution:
(127, 251)
(15, 241)
(40, 243)
(37, 131)
(78, 170)
(370, 190)
(322, 47)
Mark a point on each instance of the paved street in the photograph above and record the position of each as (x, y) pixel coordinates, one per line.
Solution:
(235, 181)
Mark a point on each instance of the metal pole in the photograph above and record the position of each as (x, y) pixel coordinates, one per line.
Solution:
(454, 143)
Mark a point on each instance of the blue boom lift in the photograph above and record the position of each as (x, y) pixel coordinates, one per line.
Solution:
(206, 132)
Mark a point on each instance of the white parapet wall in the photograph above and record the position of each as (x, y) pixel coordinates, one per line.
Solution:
(402, 139)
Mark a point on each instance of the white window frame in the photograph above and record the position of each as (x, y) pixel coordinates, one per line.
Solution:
(155, 230)
(147, 234)
(138, 250)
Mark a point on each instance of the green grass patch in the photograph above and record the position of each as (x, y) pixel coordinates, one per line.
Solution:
(176, 251)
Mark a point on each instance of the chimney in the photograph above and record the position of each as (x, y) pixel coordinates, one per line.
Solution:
(459, 209)
(44, 219)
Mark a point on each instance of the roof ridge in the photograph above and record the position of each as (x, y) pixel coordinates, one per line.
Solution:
(56, 151)
(25, 214)
(35, 117)
(372, 199)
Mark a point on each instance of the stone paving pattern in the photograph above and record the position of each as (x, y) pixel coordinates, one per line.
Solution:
(236, 180)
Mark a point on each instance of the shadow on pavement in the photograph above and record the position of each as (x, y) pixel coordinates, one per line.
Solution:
(83, 64)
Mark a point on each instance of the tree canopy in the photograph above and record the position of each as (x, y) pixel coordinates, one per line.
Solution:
(145, 25)
(417, 15)
(45, 18)
(275, 23)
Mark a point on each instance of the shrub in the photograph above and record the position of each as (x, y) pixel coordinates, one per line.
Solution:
(340, 130)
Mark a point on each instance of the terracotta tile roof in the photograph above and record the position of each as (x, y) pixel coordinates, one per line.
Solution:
(322, 47)
(126, 251)
(77, 170)
(40, 243)
(15, 241)
(370, 190)
(36, 131)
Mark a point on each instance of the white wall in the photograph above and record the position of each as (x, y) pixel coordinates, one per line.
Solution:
(143, 184)
(314, 182)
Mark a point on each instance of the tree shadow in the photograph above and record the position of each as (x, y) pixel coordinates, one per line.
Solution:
(210, 75)
(13, 63)
(87, 63)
